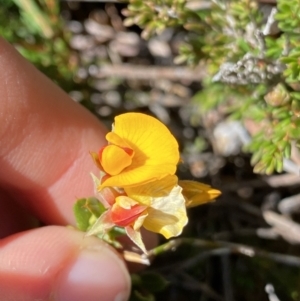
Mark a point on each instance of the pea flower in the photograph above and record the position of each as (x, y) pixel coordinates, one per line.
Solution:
(137, 185)
(158, 206)
(140, 150)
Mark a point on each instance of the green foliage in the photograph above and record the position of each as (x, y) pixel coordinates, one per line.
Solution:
(154, 15)
(38, 32)
(145, 285)
(252, 56)
(288, 16)
(252, 62)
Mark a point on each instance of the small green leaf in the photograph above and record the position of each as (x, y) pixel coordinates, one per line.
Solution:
(279, 165)
(259, 167)
(86, 208)
(288, 59)
(287, 151)
(256, 157)
(271, 166)
(295, 95)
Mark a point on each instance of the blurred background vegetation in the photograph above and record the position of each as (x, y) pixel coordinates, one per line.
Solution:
(224, 75)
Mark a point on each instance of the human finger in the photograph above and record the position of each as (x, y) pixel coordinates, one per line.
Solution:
(60, 264)
(45, 139)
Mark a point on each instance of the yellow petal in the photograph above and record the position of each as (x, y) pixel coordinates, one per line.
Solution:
(167, 214)
(114, 159)
(155, 149)
(115, 139)
(197, 193)
(166, 205)
(144, 194)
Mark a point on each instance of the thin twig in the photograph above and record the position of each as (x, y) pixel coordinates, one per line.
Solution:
(139, 72)
(222, 248)
(194, 284)
(283, 180)
(226, 278)
(290, 204)
(284, 226)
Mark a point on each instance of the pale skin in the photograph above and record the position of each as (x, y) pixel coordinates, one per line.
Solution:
(45, 139)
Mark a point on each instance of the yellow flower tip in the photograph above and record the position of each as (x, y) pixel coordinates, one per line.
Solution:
(114, 159)
(196, 193)
(155, 151)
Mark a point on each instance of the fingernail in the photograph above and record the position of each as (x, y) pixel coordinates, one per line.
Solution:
(96, 274)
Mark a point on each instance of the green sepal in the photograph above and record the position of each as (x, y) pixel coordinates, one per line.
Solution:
(110, 238)
(117, 231)
(86, 211)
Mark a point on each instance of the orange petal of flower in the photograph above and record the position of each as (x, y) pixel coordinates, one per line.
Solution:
(114, 159)
(196, 193)
(155, 150)
(124, 217)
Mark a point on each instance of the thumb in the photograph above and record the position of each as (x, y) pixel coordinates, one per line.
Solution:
(60, 264)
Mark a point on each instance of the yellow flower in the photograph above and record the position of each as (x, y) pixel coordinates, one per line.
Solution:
(158, 206)
(140, 150)
(137, 184)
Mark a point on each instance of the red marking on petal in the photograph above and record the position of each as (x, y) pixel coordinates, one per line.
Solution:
(125, 217)
(128, 150)
(104, 178)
